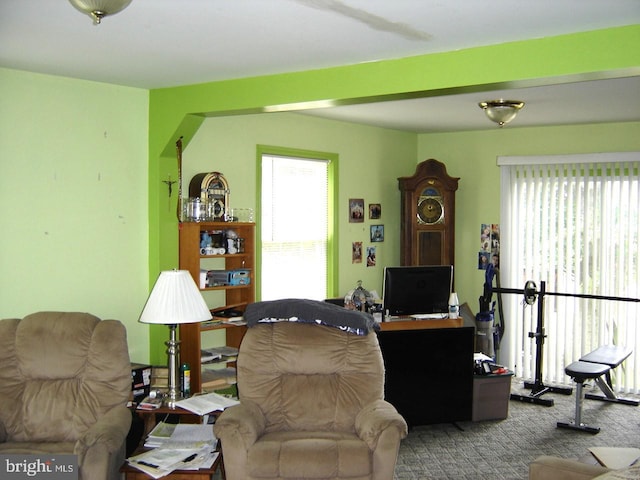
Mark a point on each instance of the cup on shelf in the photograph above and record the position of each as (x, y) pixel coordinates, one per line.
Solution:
(195, 210)
(241, 214)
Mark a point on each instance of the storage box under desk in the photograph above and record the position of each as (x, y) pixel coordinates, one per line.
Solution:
(491, 395)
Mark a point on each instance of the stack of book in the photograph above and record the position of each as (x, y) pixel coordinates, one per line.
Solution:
(219, 354)
(216, 373)
(219, 378)
(159, 378)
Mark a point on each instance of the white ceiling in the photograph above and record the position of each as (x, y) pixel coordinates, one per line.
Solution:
(163, 43)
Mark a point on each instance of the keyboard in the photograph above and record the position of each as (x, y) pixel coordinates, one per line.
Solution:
(429, 316)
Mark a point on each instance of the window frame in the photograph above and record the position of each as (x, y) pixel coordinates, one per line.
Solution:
(332, 201)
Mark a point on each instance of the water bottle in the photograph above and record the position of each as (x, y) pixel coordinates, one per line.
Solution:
(454, 305)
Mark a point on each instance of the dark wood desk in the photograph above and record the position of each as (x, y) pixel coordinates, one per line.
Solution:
(429, 369)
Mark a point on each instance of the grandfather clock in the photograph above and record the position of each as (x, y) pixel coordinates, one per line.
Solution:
(428, 215)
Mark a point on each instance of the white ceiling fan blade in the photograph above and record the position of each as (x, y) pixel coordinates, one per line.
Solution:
(374, 21)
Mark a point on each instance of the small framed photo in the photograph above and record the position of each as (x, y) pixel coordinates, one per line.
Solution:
(377, 233)
(356, 210)
(356, 252)
(375, 211)
(371, 256)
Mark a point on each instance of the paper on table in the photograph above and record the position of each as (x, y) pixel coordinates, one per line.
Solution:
(188, 436)
(187, 432)
(162, 430)
(203, 404)
(204, 460)
(159, 462)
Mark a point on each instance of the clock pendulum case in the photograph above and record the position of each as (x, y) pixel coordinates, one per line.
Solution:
(428, 215)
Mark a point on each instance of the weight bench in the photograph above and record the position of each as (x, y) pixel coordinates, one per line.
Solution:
(613, 356)
(581, 371)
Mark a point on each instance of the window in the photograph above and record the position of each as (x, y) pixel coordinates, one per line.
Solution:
(295, 224)
(573, 222)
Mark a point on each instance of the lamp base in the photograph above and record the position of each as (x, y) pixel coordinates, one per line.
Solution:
(173, 348)
(170, 401)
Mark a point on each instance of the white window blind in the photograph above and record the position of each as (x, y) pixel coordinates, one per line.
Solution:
(576, 227)
(294, 227)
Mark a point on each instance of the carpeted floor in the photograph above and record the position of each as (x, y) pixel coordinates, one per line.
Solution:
(503, 449)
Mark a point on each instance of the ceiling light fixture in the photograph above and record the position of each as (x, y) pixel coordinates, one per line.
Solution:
(97, 9)
(501, 111)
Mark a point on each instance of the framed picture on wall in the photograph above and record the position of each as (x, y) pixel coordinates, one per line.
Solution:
(356, 210)
(356, 252)
(371, 256)
(375, 211)
(377, 233)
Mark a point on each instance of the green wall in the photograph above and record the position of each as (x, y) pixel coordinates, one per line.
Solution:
(86, 218)
(472, 157)
(73, 196)
(370, 161)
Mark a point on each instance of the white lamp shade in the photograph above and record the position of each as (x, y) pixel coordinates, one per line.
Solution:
(175, 298)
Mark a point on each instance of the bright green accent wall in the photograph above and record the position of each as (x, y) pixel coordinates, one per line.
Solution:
(370, 161)
(180, 112)
(472, 157)
(88, 223)
(74, 199)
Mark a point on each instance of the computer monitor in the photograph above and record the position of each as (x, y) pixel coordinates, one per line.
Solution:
(423, 289)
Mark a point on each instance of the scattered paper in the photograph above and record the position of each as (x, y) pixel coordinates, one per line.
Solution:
(179, 447)
(615, 457)
(206, 403)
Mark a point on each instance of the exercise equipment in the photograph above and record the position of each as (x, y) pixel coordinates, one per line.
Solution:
(581, 371)
(531, 294)
(612, 356)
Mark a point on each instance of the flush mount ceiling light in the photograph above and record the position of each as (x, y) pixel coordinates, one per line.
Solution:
(501, 111)
(97, 9)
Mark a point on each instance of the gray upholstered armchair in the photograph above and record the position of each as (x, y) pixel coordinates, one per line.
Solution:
(311, 407)
(64, 385)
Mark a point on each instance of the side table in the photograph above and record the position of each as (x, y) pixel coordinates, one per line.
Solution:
(149, 419)
(131, 473)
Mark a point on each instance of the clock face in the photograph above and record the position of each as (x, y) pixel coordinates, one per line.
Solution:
(430, 210)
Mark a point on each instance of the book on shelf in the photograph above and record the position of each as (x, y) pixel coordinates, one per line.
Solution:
(212, 379)
(212, 354)
(234, 321)
(214, 321)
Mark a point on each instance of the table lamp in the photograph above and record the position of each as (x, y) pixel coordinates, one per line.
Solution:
(175, 299)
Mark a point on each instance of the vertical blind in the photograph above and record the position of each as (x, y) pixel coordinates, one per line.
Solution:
(576, 227)
(294, 227)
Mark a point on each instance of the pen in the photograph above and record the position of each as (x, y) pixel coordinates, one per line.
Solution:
(147, 464)
(190, 457)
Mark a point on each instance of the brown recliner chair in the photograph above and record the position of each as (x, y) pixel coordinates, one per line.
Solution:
(64, 385)
(311, 407)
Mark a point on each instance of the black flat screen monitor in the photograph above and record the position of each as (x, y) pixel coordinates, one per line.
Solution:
(417, 289)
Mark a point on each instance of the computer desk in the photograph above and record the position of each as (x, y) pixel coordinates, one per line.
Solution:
(428, 369)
